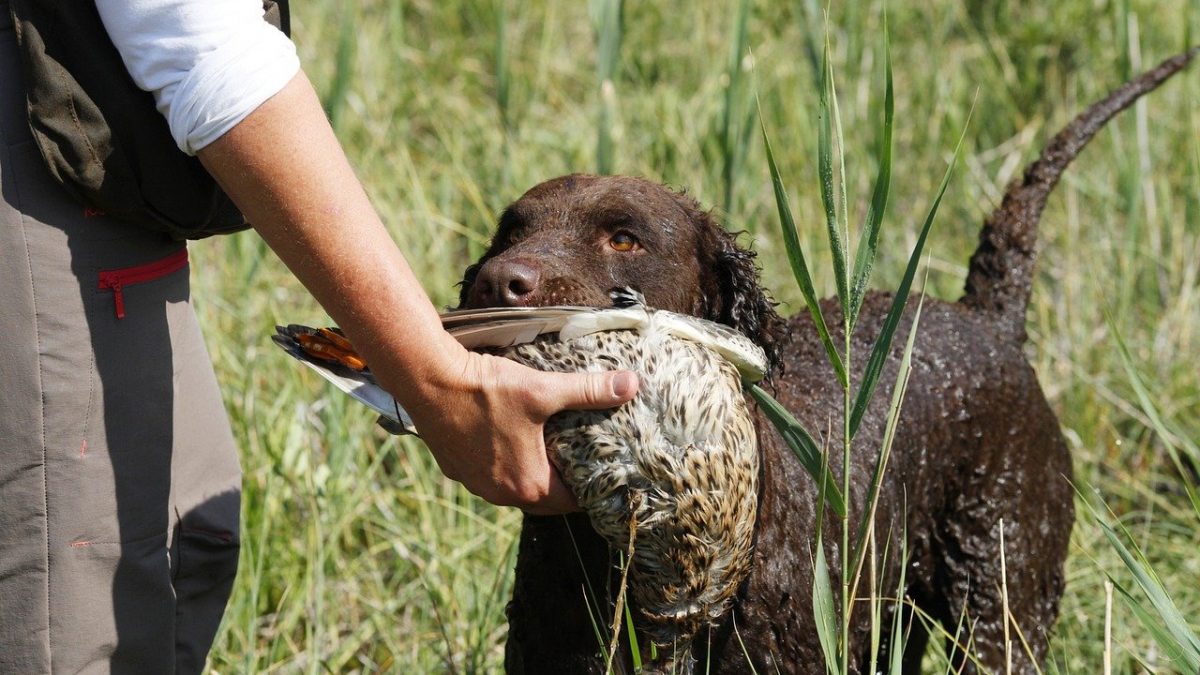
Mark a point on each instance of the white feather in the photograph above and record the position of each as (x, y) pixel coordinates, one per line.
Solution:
(369, 394)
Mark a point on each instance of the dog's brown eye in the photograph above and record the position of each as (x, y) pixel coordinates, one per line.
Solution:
(623, 242)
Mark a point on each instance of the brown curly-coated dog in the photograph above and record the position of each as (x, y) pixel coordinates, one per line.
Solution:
(978, 453)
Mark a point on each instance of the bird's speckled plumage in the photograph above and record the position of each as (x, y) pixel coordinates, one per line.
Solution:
(684, 451)
(678, 465)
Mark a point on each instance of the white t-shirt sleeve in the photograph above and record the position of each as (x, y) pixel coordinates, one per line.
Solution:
(209, 63)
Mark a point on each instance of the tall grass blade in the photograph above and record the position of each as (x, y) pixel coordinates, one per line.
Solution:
(733, 116)
(335, 99)
(634, 650)
(889, 437)
(828, 119)
(591, 612)
(496, 600)
(823, 609)
(896, 644)
(1187, 26)
(802, 445)
(1182, 640)
(864, 256)
(1153, 626)
(787, 224)
(606, 19)
(745, 652)
(590, 598)
(1151, 412)
(883, 343)
(503, 74)
(1122, 38)
(809, 15)
(1192, 204)
(504, 93)
(604, 124)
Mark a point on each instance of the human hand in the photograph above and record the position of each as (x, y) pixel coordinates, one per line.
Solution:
(483, 423)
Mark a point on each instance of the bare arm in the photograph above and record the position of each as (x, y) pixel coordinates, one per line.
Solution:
(481, 416)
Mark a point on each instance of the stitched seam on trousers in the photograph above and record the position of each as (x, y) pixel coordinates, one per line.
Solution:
(37, 327)
(92, 374)
(87, 417)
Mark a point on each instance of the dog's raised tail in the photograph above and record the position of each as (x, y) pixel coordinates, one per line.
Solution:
(1000, 276)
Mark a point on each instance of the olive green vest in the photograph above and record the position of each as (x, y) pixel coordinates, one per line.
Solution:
(101, 136)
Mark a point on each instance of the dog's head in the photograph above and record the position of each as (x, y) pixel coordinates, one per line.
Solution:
(571, 240)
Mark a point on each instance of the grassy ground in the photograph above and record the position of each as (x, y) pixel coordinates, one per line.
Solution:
(358, 555)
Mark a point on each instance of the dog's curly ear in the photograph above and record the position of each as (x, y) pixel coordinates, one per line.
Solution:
(732, 292)
(743, 302)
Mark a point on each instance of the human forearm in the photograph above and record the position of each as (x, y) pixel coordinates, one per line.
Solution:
(283, 166)
(481, 416)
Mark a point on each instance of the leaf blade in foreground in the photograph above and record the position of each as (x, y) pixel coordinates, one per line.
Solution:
(829, 121)
(868, 242)
(802, 444)
(1156, 421)
(1184, 643)
(883, 343)
(797, 261)
(823, 609)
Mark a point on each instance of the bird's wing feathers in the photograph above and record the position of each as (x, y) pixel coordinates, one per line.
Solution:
(359, 384)
(508, 326)
(466, 317)
(733, 346)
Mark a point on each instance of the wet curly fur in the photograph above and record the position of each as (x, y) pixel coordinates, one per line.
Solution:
(957, 468)
(978, 457)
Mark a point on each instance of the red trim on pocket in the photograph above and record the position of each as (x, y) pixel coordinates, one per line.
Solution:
(116, 280)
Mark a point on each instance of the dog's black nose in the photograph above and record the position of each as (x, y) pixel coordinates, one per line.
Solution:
(505, 283)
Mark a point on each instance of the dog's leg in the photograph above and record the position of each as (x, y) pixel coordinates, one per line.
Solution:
(1024, 485)
(562, 571)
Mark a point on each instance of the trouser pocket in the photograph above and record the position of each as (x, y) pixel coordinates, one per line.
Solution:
(118, 280)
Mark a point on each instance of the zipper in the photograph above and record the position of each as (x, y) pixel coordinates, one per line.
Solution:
(116, 280)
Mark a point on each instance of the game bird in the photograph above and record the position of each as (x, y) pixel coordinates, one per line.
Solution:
(669, 478)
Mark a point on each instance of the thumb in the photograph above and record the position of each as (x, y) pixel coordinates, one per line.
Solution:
(587, 391)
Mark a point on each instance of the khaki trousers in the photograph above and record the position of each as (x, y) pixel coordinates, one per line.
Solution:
(119, 479)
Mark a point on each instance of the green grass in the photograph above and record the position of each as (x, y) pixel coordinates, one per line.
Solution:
(358, 555)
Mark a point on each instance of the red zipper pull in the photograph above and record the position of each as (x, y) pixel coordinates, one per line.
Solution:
(119, 299)
(115, 280)
(112, 282)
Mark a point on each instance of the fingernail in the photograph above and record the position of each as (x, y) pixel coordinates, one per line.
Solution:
(624, 384)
